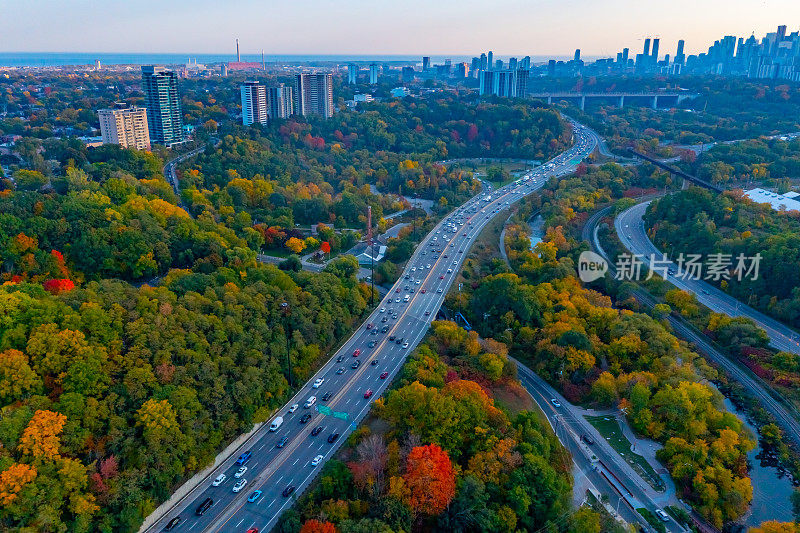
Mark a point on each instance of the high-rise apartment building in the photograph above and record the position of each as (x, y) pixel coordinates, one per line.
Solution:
(490, 60)
(125, 126)
(164, 117)
(314, 94)
(680, 57)
(655, 49)
(484, 62)
(254, 103)
(352, 73)
(280, 101)
(509, 83)
(408, 74)
(373, 73)
(426, 63)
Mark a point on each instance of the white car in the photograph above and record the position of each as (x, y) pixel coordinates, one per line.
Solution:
(316, 460)
(239, 485)
(383, 310)
(318, 383)
(239, 473)
(219, 480)
(405, 345)
(293, 408)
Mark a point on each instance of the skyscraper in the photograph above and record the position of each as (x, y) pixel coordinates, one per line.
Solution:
(512, 63)
(490, 60)
(373, 73)
(314, 94)
(408, 74)
(352, 73)
(280, 101)
(526, 62)
(254, 103)
(680, 57)
(475, 67)
(646, 51)
(577, 54)
(426, 63)
(483, 65)
(164, 117)
(655, 49)
(125, 126)
(461, 70)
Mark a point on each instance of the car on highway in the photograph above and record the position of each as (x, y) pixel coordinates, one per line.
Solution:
(316, 460)
(172, 524)
(427, 313)
(399, 340)
(383, 310)
(373, 362)
(357, 353)
(555, 402)
(244, 458)
(405, 345)
(587, 439)
(219, 480)
(439, 291)
(662, 515)
(356, 363)
(370, 325)
(294, 407)
(311, 401)
(288, 491)
(239, 473)
(441, 277)
(340, 371)
(203, 507)
(281, 443)
(340, 359)
(384, 375)
(327, 396)
(239, 485)
(391, 337)
(332, 437)
(252, 530)
(368, 394)
(316, 431)
(318, 382)
(305, 418)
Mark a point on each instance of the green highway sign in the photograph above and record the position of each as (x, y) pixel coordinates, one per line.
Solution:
(324, 409)
(340, 414)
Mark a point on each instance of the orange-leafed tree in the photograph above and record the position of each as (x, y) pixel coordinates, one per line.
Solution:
(430, 479)
(13, 479)
(317, 526)
(776, 527)
(41, 438)
(294, 244)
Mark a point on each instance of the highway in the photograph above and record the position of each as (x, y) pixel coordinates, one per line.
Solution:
(398, 324)
(599, 463)
(631, 231)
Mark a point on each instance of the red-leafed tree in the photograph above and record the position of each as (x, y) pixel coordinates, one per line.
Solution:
(55, 286)
(317, 526)
(430, 479)
(325, 247)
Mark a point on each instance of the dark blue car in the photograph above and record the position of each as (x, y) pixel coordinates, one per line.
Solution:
(244, 458)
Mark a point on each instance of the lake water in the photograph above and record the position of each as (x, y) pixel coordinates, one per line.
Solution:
(771, 486)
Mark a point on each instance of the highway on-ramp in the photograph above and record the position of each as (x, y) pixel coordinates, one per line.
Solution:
(380, 347)
(632, 233)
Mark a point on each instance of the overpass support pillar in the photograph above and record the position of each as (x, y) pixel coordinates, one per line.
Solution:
(549, 100)
(622, 101)
(655, 102)
(583, 103)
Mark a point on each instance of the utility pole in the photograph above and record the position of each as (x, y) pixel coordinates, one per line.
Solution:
(286, 310)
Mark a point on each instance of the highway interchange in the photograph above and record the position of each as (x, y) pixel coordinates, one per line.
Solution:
(424, 284)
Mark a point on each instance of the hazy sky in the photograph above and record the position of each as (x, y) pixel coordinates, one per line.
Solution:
(436, 27)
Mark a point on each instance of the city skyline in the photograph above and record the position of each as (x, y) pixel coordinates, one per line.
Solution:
(509, 27)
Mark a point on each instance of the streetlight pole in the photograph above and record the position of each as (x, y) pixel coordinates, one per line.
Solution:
(286, 310)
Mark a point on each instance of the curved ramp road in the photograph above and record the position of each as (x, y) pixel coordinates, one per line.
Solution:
(405, 314)
(631, 231)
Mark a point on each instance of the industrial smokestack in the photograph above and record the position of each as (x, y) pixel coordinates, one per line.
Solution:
(238, 59)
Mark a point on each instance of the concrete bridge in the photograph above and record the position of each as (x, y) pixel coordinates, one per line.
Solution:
(619, 97)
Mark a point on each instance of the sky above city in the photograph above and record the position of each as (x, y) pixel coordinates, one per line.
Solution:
(434, 27)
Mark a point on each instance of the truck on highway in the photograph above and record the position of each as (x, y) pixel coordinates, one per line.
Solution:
(276, 424)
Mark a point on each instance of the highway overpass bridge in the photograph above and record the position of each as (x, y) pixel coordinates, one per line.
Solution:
(673, 97)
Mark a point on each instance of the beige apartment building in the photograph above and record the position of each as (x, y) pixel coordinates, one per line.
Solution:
(125, 126)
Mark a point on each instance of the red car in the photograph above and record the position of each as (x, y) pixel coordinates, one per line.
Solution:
(252, 530)
(357, 353)
(384, 375)
(369, 326)
(397, 289)
(423, 291)
(441, 277)
(368, 394)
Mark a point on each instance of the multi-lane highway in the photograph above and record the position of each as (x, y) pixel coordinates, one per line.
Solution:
(356, 374)
(631, 231)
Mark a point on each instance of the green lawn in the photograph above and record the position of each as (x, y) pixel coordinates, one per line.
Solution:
(610, 430)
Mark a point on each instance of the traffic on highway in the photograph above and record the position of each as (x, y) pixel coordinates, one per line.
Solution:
(250, 489)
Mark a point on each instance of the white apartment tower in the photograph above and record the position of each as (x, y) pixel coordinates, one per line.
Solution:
(125, 126)
(254, 103)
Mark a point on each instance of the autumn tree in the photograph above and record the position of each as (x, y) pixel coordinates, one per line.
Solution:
(17, 378)
(317, 526)
(430, 479)
(13, 479)
(40, 438)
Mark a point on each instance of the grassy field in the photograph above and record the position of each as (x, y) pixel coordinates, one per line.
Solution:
(610, 430)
